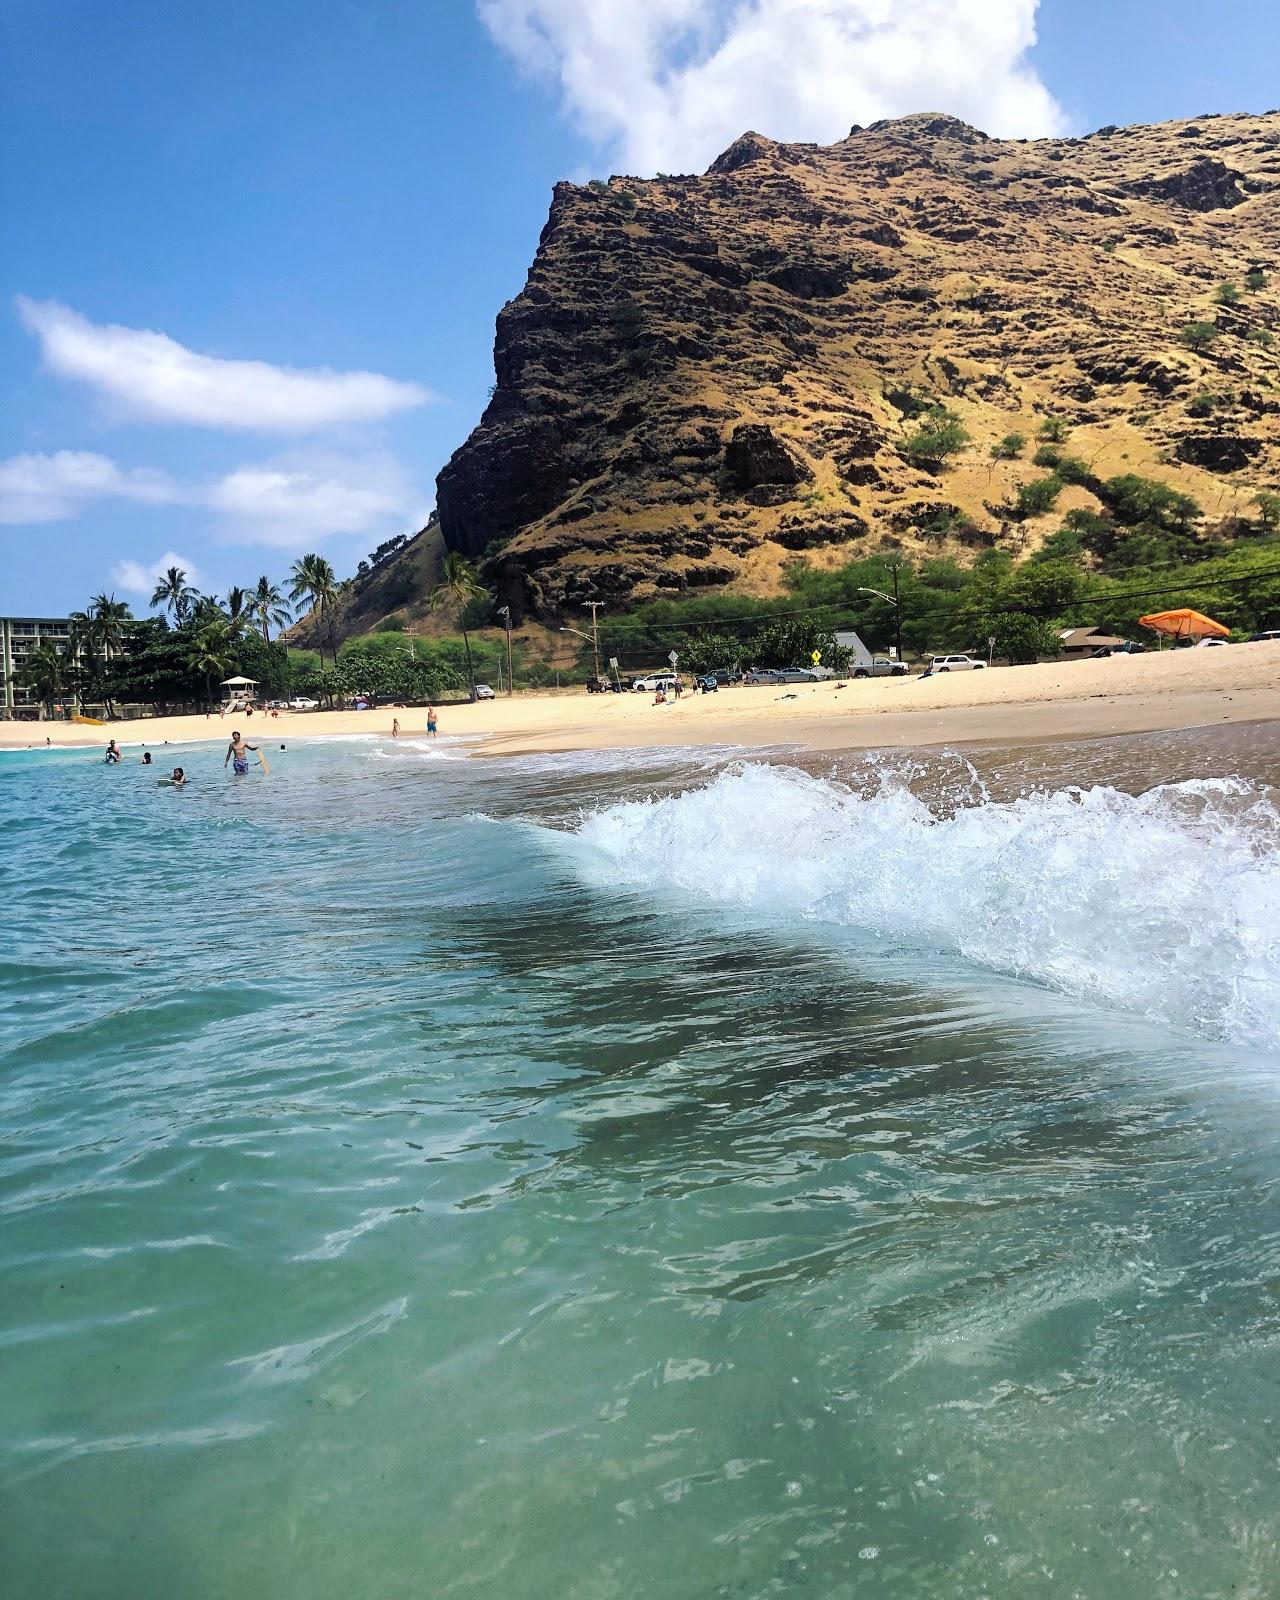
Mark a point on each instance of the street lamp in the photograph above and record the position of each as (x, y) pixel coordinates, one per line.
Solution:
(895, 600)
(592, 638)
(505, 613)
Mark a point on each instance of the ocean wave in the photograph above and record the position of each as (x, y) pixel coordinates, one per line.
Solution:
(1166, 904)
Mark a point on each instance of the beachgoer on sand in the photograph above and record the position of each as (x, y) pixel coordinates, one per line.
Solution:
(432, 725)
(238, 755)
(395, 727)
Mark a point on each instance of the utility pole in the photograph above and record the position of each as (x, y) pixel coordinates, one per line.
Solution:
(505, 613)
(897, 610)
(595, 631)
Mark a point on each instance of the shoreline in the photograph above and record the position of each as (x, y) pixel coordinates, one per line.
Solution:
(1003, 705)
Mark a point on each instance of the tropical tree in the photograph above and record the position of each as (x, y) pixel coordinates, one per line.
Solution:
(107, 617)
(236, 606)
(44, 671)
(457, 588)
(174, 594)
(314, 581)
(208, 654)
(268, 609)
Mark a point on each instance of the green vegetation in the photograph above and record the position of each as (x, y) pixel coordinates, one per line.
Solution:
(1145, 550)
(1054, 429)
(1261, 336)
(941, 434)
(1255, 279)
(315, 583)
(1009, 448)
(458, 589)
(1201, 405)
(1198, 336)
(1034, 499)
(1226, 294)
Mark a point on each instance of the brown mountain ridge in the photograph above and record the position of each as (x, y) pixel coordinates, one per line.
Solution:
(705, 375)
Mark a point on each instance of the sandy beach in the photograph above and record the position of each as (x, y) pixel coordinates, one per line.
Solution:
(1069, 699)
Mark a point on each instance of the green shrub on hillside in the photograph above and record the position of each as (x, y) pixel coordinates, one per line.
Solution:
(1054, 429)
(1198, 336)
(1035, 498)
(1226, 294)
(1009, 448)
(941, 434)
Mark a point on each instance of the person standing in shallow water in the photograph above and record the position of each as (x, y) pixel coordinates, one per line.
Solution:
(113, 753)
(238, 755)
(395, 727)
(432, 725)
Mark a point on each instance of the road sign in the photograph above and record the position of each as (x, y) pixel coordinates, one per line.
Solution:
(816, 657)
(674, 657)
(613, 662)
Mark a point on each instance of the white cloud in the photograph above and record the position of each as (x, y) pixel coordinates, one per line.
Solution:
(136, 578)
(51, 488)
(291, 501)
(154, 378)
(671, 83)
(301, 499)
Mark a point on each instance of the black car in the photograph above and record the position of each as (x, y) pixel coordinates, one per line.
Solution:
(602, 686)
(708, 683)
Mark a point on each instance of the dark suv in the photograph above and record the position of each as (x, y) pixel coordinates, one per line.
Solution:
(601, 686)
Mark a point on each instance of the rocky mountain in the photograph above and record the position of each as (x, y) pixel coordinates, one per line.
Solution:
(705, 375)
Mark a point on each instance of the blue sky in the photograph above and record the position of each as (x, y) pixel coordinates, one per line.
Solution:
(218, 216)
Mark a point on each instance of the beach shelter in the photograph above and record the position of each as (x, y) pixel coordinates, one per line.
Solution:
(238, 688)
(1184, 624)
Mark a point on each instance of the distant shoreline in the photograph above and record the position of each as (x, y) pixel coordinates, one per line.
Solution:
(1004, 705)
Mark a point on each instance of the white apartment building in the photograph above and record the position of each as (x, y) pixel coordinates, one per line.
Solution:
(18, 638)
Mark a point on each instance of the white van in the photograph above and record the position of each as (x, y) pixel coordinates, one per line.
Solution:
(656, 681)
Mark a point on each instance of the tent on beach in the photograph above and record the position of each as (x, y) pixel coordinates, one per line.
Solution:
(1184, 624)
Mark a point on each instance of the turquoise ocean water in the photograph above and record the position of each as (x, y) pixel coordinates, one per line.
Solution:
(641, 1175)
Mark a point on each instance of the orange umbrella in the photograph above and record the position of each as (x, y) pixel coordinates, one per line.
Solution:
(1184, 624)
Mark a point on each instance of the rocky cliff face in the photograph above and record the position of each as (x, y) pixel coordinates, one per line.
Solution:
(705, 375)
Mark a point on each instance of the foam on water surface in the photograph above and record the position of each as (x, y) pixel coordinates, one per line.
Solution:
(1166, 903)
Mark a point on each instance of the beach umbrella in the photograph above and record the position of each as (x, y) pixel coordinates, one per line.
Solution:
(1184, 624)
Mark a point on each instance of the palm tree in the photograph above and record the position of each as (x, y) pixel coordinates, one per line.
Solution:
(173, 593)
(208, 654)
(236, 606)
(107, 617)
(457, 588)
(43, 671)
(267, 606)
(314, 581)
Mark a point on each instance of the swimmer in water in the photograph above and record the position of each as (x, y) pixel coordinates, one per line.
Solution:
(179, 778)
(238, 755)
(146, 758)
(113, 753)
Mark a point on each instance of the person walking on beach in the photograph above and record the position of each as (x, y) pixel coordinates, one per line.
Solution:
(113, 753)
(432, 725)
(395, 727)
(238, 755)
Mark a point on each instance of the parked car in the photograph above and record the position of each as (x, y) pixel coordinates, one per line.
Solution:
(654, 682)
(797, 675)
(603, 686)
(881, 667)
(763, 675)
(955, 664)
(1267, 636)
(277, 705)
(303, 704)
(708, 683)
(484, 692)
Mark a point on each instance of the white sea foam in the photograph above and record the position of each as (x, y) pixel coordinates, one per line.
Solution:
(1167, 904)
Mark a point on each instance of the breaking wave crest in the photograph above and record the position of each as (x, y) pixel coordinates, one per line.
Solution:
(1166, 903)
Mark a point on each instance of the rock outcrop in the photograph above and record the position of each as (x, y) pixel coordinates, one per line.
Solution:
(705, 375)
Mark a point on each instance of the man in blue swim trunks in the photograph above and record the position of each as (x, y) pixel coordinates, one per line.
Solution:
(238, 755)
